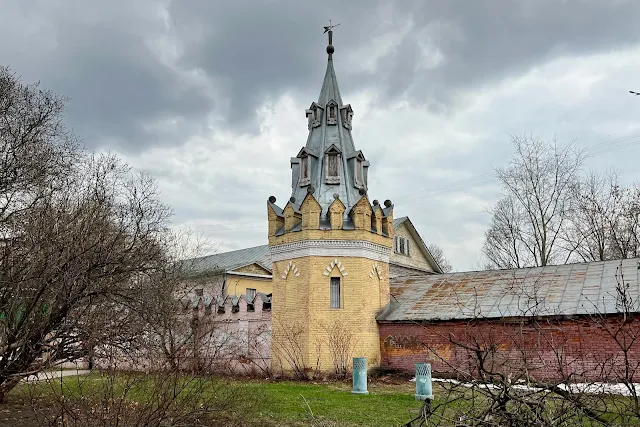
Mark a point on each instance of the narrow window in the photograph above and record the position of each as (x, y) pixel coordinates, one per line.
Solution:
(251, 294)
(332, 113)
(304, 171)
(358, 172)
(333, 165)
(335, 292)
(332, 169)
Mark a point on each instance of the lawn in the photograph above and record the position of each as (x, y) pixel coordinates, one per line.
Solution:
(253, 402)
(290, 402)
(256, 402)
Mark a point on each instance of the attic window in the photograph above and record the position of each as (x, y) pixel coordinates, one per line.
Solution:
(402, 246)
(304, 171)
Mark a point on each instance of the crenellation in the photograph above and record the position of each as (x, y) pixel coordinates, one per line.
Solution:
(292, 217)
(310, 211)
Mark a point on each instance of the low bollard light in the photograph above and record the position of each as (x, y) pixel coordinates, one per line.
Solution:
(424, 390)
(360, 375)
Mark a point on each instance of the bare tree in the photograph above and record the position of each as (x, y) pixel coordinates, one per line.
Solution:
(527, 224)
(604, 219)
(84, 239)
(438, 254)
(341, 343)
(595, 217)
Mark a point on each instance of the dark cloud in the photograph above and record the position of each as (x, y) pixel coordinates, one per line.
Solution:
(101, 54)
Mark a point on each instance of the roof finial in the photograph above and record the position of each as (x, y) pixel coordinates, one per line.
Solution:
(329, 29)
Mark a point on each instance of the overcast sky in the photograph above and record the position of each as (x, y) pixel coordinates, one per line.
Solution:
(209, 96)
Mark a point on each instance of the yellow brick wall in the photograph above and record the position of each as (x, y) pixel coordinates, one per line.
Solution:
(304, 301)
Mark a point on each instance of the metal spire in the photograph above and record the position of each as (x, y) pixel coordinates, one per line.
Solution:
(329, 29)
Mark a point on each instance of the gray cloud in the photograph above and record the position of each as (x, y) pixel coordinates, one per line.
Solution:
(149, 77)
(100, 54)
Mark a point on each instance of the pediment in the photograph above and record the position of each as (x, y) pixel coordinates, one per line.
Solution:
(358, 155)
(305, 152)
(332, 102)
(333, 149)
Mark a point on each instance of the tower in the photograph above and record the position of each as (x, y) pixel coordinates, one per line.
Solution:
(330, 247)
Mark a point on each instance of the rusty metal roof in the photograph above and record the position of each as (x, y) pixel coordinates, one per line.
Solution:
(572, 289)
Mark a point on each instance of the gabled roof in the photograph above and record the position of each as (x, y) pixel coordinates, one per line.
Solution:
(227, 261)
(397, 222)
(557, 290)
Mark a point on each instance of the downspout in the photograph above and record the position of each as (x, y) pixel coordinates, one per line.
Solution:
(224, 284)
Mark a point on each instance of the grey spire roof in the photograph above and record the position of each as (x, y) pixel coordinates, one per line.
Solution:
(330, 88)
(329, 132)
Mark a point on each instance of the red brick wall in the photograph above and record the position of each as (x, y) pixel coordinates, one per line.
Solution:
(546, 349)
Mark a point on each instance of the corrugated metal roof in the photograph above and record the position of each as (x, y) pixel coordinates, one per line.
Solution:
(571, 289)
(230, 260)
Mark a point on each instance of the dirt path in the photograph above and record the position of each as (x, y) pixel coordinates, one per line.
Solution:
(47, 375)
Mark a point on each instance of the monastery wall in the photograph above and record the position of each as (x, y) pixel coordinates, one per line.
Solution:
(546, 350)
(230, 336)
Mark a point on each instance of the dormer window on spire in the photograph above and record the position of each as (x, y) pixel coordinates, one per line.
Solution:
(347, 115)
(305, 179)
(305, 166)
(359, 174)
(332, 159)
(358, 169)
(314, 114)
(332, 112)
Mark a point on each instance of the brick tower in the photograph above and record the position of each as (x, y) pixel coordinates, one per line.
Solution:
(330, 247)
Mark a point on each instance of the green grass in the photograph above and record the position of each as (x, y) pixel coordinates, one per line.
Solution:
(271, 403)
(252, 402)
(292, 401)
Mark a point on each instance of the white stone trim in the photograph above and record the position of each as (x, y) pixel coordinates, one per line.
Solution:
(335, 263)
(330, 248)
(290, 267)
(375, 271)
(241, 273)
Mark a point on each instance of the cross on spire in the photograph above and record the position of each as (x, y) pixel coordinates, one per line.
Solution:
(329, 29)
